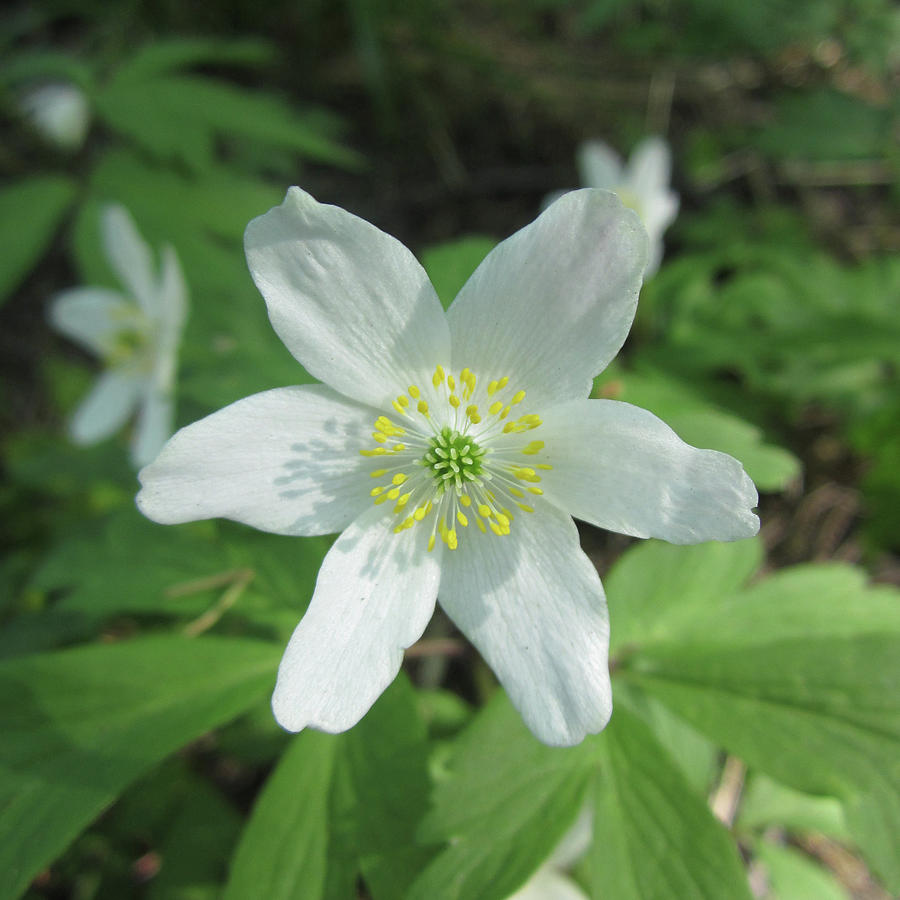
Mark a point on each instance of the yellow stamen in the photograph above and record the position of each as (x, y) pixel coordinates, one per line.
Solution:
(422, 407)
(465, 500)
(378, 473)
(495, 407)
(414, 392)
(461, 518)
(399, 478)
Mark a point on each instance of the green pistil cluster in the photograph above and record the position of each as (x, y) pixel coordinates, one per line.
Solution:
(454, 459)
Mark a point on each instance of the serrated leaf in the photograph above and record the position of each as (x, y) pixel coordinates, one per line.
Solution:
(30, 214)
(654, 837)
(80, 725)
(282, 853)
(505, 804)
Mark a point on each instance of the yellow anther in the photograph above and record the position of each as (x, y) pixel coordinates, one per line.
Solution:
(398, 447)
(414, 392)
(481, 527)
(376, 491)
(451, 382)
(495, 407)
(495, 527)
(398, 407)
(403, 400)
(379, 436)
(422, 407)
(431, 543)
(466, 500)
(518, 397)
(543, 466)
(420, 513)
(471, 410)
(505, 412)
(393, 493)
(503, 382)
(533, 448)
(460, 517)
(509, 426)
(522, 472)
(526, 507)
(502, 520)
(492, 388)
(508, 514)
(454, 401)
(378, 473)
(451, 539)
(516, 492)
(404, 499)
(375, 451)
(382, 499)
(438, 377)
(464, 375)
(475, 419)
(484, 510)
(399, 478)
(537, 491)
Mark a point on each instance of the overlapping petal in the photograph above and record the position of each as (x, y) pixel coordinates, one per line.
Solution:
(599, 165)
(107, 406)
(350, 302)
(552, 304)
(374, 596)
(619, 467)
(533, 605)
(286, 461)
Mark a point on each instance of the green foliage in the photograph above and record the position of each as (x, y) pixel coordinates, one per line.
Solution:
(31, 211)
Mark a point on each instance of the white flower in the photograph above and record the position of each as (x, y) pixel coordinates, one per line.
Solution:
(642, 185)
(136, 335)
(452, 451)
(59, 112)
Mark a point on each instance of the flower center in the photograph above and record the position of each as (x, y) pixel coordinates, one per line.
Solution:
(454, 455)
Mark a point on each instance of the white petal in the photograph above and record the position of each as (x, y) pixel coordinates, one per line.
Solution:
(649, 167)
(374, 596)
(106, 408)
(350, 302)
(173, 300)
(156, 417)
(92, 317)
(599, 166)
(129, 256)
(286, 461)
(533, 605)
(552, 305)
(621, 468)
(546, 884)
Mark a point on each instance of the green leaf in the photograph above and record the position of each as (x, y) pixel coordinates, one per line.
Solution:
(794, 876)
(505, 804)
(766, 802)
(655, 590)
(80, 725)
(449, 265)
(161, 57)
(654, 837)
(820, 714)
(282, 853)
(384, 796)
(30, 214)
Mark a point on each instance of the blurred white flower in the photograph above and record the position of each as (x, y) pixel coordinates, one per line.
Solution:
(135, 334)
(551, 882)
(452, 449)
(58, 112)
(642, 185)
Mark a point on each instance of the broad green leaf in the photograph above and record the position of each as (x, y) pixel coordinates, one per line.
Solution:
(282, 853)
(30, 214)
(654, 836)
(504, 805)
(820, 714)
(793, 876)
(450, 265)
(765, 802)
(166, 56)
(80, 725)
(656, 589)
(384, 796)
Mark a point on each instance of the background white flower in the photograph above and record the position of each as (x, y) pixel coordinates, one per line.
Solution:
(450, 452)
(59, 112)
(642, 185)
(135, 334)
